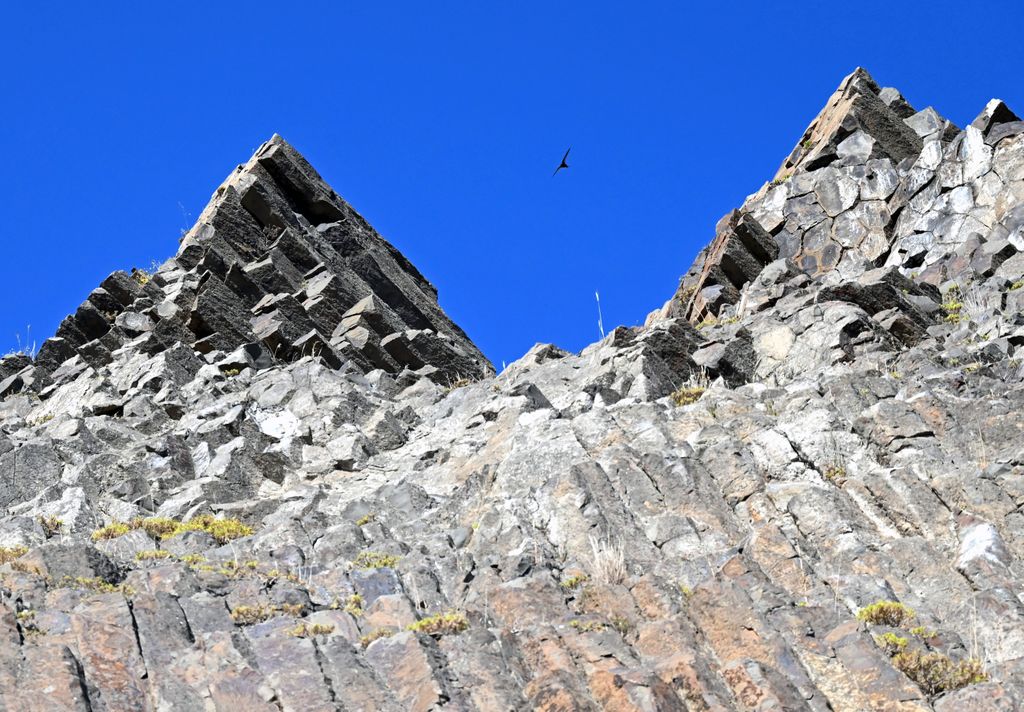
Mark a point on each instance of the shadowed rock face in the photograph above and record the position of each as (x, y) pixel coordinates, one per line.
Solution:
(687, 515)
(277, 267)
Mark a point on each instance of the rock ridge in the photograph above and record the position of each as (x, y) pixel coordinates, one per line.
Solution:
(274, 474)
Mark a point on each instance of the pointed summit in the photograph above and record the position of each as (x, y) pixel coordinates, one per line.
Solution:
(859, 118)
(995, 114)
(277, 267)
(301, 261)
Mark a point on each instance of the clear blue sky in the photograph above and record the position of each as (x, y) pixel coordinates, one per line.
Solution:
(441, 123)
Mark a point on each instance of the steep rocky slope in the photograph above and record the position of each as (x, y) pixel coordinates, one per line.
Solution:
(395, 527)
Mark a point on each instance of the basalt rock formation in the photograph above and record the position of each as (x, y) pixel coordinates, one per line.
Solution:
(273, 475)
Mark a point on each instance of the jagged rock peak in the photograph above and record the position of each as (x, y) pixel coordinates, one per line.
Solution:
(276, 268)
(859, 117)
(872, 183)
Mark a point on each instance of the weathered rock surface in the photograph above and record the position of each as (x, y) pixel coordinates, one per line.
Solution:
(601, 530)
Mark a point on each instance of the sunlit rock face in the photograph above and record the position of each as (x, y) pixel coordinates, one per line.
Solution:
(272, 474)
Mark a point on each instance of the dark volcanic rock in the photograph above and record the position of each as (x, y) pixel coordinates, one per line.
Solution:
(276, 257)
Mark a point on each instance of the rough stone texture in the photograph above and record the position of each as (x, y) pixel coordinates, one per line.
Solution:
(275, 261)
(858, 439)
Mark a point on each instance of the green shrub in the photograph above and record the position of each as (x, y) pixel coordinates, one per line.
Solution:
(588, 626)
(891, 613)
(891, 643)
(95, 585)
(687, 395)
(222, 530)
(936, 673)
(374, 560)
(156, 527)
(23, 567)
(574, 582)
(111, 531)
(375, 635)
(51, 525)
(251, 615)
(953, 305)
(450, 623)
(10, 553)
(693, 388)
(354, 605)
(834, 473)
(305, 630)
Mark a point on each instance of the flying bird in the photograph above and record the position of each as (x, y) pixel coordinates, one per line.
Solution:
(563, 164)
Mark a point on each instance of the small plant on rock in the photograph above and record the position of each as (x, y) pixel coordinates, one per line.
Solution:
(621, 625)
(923, 633)
(456, 384)
(292, 609)
(95, 585)
(305, 630)
(156, 527)
(239, 569)
(891, 643)
(111, 531)
(222, 530)
(354, 605)
(375, 635)
(834, 473)
(694, 387)
(374, 560)
(936, 673)
(607, 562)
(152, 555)
(27, 622)
(23, 567)
(10, 553)
(574, 582)
(707, 322)
(51, 525)
(953, 305)
(365, 519)
(588, 626)
(251, 615)
(450, 623)
(889, 613)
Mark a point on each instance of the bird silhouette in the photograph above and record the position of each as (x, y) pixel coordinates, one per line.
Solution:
(563, 164)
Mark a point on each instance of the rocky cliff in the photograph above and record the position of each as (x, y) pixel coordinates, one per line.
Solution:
(273, 475)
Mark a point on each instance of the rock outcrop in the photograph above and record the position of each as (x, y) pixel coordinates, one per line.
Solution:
(277, 267)
(274, 474)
